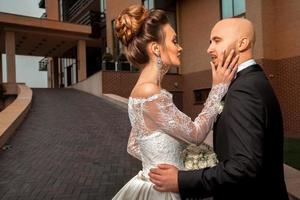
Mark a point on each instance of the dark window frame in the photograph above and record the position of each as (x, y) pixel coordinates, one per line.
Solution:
(200, 95)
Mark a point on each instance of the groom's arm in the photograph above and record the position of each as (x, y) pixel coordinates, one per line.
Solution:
(245, 129)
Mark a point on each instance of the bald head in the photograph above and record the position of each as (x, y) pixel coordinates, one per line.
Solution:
(238, 27)
(232, 33)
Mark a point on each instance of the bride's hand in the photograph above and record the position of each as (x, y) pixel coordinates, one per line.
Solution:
(224, 71)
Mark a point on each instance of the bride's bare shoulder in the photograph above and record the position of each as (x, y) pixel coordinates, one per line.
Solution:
(145, 90)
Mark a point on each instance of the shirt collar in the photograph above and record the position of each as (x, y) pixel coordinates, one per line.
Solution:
(244, 65)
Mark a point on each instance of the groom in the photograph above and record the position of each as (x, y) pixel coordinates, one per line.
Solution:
(248, 135)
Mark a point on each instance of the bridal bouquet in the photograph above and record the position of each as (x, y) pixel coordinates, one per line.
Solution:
(198, 157)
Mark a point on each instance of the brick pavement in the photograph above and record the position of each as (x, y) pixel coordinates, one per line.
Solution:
(71, 146)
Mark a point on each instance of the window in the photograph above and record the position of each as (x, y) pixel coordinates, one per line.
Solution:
(233, 8)
(149, 4)
(102, 6)
(201, 95)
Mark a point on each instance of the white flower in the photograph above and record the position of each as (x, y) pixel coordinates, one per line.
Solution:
(198, 157)
(220, 107)
(188, 164)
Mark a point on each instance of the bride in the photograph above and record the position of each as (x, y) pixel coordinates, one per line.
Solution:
(159, 130)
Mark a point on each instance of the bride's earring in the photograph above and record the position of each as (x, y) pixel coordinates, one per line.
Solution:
(159, 66)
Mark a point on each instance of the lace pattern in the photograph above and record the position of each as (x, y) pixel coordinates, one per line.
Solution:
(158, 113)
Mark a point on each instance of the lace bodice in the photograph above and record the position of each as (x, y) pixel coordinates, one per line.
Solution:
(160, 129)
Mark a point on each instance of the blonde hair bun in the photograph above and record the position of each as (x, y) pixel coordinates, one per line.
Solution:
(129, 23)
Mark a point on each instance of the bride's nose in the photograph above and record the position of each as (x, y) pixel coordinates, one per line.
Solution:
(180, 48)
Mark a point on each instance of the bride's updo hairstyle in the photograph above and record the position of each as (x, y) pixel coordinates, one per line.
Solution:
(136, 27)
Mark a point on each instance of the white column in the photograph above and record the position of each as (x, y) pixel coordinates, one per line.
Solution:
(10, 56)
(81, 60)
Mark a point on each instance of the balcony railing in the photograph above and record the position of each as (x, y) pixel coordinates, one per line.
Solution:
(72, 12)
(96, 20)
(91, 17)
(79, 13)
(43, 64)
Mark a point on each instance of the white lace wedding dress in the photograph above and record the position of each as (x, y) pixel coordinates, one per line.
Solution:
(159, 134)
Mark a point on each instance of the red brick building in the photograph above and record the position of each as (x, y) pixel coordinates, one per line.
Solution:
(75, 52)
(277, 48)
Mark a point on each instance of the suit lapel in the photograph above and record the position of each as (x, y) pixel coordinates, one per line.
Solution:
(249, 69)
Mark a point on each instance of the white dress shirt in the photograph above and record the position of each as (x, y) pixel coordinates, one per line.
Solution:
(245, 64)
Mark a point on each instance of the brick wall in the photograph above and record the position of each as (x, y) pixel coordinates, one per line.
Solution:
(193, 81)
(121, 83)
(277, 25)
(195, 20)
(284, 76)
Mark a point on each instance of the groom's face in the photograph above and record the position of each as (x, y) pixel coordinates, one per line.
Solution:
(222, 38)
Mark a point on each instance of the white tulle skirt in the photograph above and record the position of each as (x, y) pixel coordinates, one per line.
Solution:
(140, 188)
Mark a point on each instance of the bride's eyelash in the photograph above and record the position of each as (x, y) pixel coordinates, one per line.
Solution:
(175, 40)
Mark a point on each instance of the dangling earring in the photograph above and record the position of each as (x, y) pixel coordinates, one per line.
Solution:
(159, 66)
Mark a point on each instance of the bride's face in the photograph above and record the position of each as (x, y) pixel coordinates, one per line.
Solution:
(222, 38)
(170, 49)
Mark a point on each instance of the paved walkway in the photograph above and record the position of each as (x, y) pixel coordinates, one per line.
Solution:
(72, 145)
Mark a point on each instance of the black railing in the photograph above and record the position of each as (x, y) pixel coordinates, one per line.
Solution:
(43, 64)
(96, 20)
(91, 17)
(79, 14)
(72, 12)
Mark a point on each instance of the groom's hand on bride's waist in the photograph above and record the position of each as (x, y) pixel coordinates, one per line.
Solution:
(164, 178)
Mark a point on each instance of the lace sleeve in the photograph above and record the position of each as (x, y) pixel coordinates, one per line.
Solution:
(133, 147)
(161, 113)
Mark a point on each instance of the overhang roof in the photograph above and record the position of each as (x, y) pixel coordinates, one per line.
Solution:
(43, 37)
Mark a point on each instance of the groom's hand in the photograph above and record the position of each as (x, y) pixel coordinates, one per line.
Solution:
(164, 178)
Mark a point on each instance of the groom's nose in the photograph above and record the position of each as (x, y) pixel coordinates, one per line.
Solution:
(209, 49)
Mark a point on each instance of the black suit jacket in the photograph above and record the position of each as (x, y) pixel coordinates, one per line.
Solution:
(248, 141)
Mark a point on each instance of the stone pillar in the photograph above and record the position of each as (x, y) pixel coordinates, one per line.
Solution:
(52, 9)
(81, 60)
(10, 56)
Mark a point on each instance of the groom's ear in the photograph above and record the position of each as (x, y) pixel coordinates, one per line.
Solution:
(243, 44)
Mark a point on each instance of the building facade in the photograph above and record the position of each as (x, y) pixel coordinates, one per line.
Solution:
(277, 49)
(82, 12)
(77, 39)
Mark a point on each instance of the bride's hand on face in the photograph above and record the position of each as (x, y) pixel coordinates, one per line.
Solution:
(224, 72)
